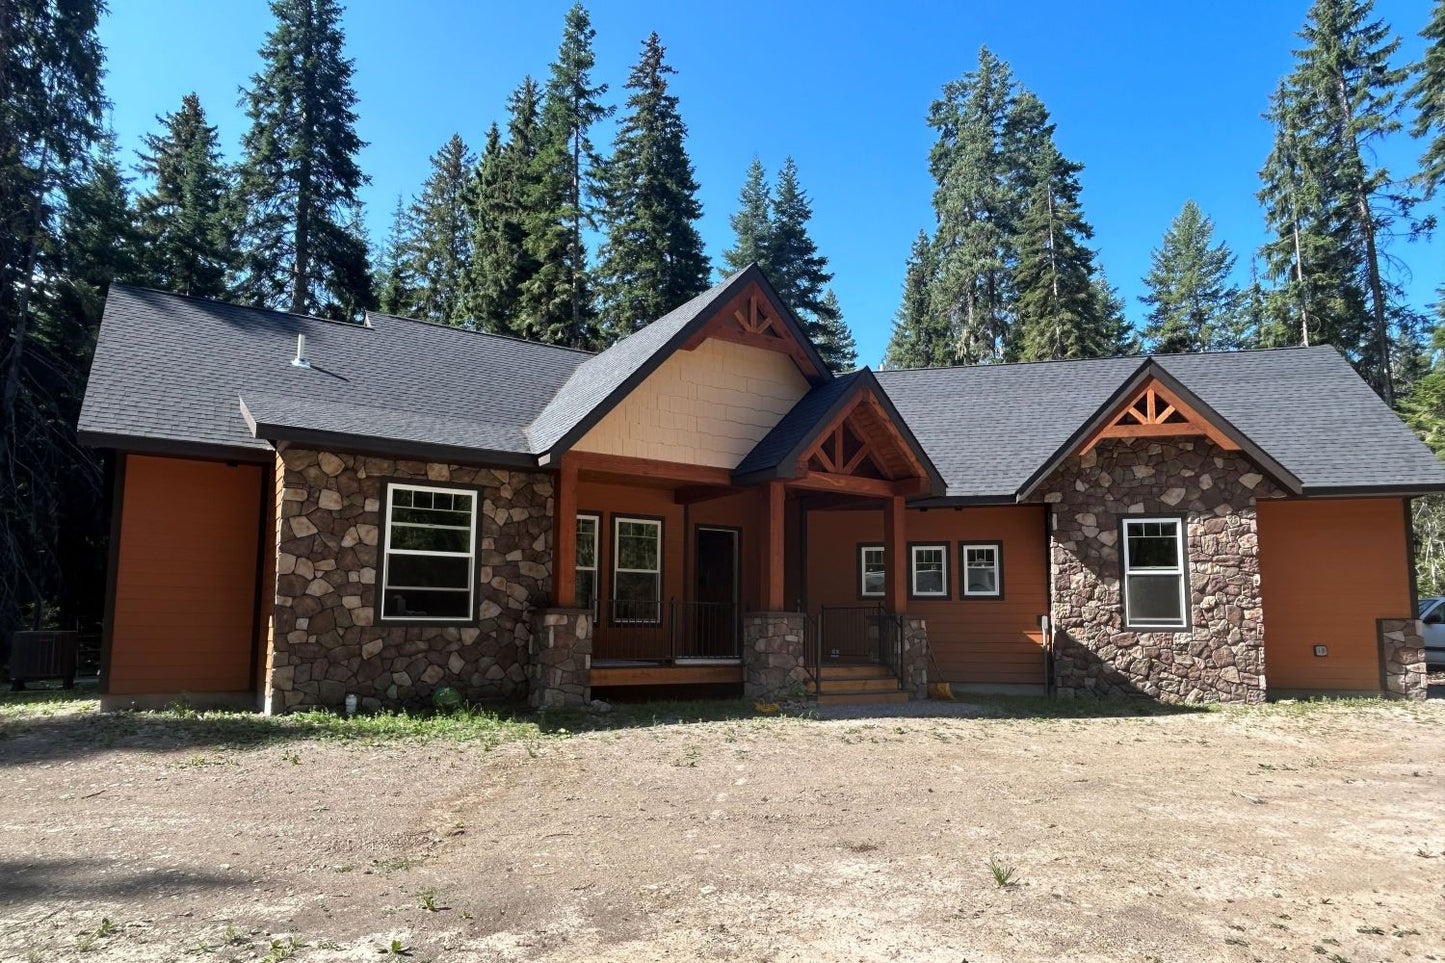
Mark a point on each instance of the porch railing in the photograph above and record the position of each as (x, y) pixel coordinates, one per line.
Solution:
(667, 630)
(842, 634)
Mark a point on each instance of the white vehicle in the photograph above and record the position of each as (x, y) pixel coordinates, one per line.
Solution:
(1432, 614)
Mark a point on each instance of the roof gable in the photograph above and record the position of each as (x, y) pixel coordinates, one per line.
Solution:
(601, 382)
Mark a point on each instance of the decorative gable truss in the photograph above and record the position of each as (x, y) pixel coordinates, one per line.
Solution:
(1156, 412)
(862, 452)
(751, 319)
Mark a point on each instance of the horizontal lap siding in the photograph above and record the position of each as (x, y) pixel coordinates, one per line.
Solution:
(185, 597)
(1328, 569)
(972, 640)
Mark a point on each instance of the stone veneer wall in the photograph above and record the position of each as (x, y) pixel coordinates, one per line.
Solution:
(1402, 658)
(914, 656)
(326, 638)
(1221, 657)
(774, 666)
(562, 662)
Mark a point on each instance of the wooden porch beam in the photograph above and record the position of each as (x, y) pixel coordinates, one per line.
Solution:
(895, 566)
(602, 464)
(693, 494)
(853, 484)
(564, 534)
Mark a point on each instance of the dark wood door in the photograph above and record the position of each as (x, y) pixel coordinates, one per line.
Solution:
(714, 621)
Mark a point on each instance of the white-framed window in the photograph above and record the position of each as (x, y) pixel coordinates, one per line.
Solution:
(982, 569)
(589, 528)
(1155, 596)
(870, 571)
(928, 571)
(636, 569)
(428, 569)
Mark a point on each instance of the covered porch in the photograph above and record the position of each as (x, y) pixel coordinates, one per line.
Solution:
(696, 574)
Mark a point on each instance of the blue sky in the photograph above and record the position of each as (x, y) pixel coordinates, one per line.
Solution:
(1159, 101)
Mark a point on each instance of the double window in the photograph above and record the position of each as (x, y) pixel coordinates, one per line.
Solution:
(1155, 594)
(588, 532)
(636, 569)
(928, 571)
(428, 569)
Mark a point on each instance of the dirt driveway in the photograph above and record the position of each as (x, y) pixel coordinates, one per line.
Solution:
(1282, 833)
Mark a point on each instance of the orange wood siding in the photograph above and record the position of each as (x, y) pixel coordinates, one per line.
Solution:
(185, 598)
(1328, 569)
(972, 640)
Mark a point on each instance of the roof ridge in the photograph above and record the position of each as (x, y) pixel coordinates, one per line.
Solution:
(233, 304)
(1115, 357)
(485, 334)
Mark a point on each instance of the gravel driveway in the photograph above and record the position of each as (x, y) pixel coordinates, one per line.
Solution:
(1286, 832)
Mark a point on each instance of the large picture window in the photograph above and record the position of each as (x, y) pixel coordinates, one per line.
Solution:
(928, 571)
(588, 529)
(428, 572)
(982, 569)
(636, 569)
(870, 571)
(1155, 596)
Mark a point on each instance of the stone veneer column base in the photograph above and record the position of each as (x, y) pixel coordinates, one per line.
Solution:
(913, 671)
(562, 660)
(774, 666)
(1402, 658)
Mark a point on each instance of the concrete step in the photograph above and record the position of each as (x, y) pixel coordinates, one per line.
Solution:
(863, 698)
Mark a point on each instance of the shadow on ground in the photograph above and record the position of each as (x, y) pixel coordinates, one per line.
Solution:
(101, 880)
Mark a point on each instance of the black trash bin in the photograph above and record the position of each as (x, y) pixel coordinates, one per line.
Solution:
(36, 656)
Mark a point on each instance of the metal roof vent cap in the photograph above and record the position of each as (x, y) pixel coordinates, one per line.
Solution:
(300, 360)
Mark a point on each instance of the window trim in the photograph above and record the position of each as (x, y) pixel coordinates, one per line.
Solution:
(859, 570)
(913, 593)
(389, 485)
(597, 562)
(1181, 571)
(963, 592)
(616, 518)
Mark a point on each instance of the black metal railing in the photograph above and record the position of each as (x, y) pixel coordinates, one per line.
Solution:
(854, 634)
(667, 631)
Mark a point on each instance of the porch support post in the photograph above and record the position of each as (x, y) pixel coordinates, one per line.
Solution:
(773, 547)
(564, 535)
(895, 571)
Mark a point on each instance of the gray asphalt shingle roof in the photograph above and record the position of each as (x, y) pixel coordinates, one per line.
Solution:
(169, 368)
(172, 370)
(989, 427)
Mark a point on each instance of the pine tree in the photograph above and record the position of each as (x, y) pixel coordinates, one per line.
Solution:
(653, 259)
(50, 113)
(395, 282)
(558, 299)
(1057, 307)
(183, 217)
(800, 274)
(1340, 101)
(1428, 95)
(506, 178)
(439, 243)
(752, 224)
(1193, 301)
(299, 180)
(837, 345)
(975, 203)
(920, 337)
(1120, 338)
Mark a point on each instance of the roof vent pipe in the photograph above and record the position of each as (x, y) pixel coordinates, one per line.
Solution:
(300, 359)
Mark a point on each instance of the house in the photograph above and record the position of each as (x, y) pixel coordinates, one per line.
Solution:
(307, 509)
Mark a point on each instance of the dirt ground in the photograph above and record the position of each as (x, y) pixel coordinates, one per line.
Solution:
(1282, 833)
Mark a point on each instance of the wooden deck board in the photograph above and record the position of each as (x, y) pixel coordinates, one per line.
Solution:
(605, 675)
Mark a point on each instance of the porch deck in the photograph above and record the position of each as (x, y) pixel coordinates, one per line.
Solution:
(618, 672)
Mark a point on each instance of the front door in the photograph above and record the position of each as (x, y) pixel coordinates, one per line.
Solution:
(714, 619)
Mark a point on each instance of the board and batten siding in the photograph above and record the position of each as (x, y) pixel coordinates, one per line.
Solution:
(708, 406)
(1328, 569)
(973, 640)
(185, 612)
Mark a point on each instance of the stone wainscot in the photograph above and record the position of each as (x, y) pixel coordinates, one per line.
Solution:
(326, 640)
(1220, 657)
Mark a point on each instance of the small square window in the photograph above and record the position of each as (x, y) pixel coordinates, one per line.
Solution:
(928, 573)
